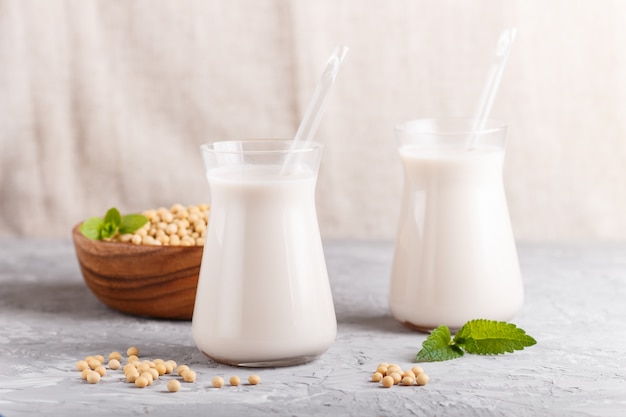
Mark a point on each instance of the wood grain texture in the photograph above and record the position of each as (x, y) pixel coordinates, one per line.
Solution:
(142, 280)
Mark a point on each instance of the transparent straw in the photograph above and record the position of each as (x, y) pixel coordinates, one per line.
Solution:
(317, 105)
(503, 48)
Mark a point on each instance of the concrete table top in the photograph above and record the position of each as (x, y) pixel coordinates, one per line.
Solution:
(575, 308)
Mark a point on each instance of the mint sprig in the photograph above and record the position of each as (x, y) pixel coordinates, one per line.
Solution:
(482, 337)
(113, 223)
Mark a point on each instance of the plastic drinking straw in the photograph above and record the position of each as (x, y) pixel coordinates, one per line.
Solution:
(503, 48)
(317, 105)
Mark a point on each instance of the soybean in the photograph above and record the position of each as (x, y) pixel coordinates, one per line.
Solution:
(132, 351)
(217, 382)
(114, 364)
(388, 382)
(422, 379)
(408, 380)
(94, 363)
(173, 385)
(80, 365)
(417, 370)
(93, 377)
(85, 372)
(181, 369)
(141, 382)
(396, 377)
(188, 375)
(101, 370)
(160, 368)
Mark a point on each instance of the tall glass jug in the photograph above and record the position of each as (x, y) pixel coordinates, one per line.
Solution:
(263, 296)
(455, 257)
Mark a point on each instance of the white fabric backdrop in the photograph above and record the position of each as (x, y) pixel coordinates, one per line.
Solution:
(104, 103)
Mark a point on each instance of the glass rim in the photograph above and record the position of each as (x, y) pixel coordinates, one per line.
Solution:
(287, 149)
(430, 126)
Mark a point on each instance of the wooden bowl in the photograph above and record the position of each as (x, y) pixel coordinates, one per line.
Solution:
(142, 280)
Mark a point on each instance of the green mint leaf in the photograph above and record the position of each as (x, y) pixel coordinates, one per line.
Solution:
(108, 230)
(132, 222)
(97, 228)
(113, 217)
(92, 228)
(438, 347)
(112, 222)
(490, 337)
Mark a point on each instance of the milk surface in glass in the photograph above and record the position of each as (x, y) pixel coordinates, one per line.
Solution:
(455, 257)
(263, 296)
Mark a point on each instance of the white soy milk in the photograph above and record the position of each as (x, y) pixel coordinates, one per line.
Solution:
(263, 295)
(455, 258)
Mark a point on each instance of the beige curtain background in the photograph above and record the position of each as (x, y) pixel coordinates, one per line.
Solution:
(104, 103)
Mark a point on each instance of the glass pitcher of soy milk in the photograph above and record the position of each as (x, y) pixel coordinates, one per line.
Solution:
(455, 257)
(263, 296)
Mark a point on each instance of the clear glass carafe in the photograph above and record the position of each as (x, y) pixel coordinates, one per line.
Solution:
(263, 296)
(455, 256)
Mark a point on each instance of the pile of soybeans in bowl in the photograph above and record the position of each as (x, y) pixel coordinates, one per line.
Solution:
(177, 226)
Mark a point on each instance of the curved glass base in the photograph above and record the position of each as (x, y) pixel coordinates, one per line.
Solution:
(274, 363)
